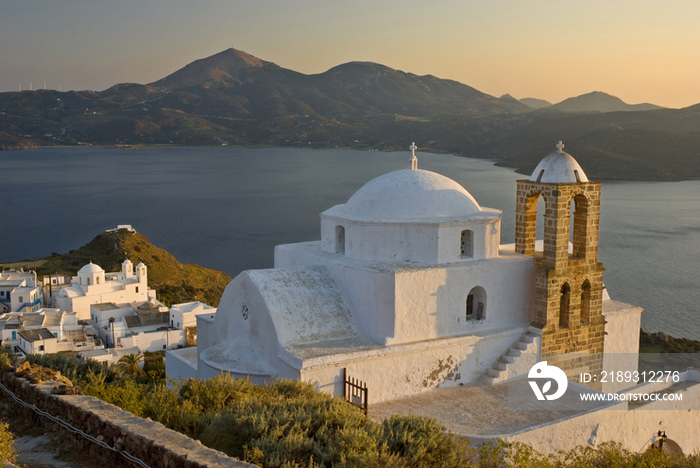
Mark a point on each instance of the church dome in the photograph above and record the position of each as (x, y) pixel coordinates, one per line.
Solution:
(408, 195)
(558, 167)
(91, 268)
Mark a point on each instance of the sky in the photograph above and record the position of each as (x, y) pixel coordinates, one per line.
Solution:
(637, 50)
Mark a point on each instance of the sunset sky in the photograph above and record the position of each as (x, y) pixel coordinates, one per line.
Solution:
(638, 50)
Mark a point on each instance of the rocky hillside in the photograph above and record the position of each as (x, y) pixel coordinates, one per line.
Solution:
(233, 98)
(174, 282)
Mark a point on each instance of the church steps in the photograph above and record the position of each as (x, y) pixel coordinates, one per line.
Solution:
(516, 361)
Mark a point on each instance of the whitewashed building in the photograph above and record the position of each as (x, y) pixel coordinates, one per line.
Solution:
(409, 289)
(20, 291)
(142, 324)
(67, 333)
(93, 286)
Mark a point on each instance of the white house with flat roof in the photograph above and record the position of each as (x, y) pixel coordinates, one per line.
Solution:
(20, 291)
(93, 286)
(63, 326)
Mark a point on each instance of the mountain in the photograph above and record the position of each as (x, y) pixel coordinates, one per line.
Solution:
(234, 98)
(535, 103)
(600, 102)
(173, 281)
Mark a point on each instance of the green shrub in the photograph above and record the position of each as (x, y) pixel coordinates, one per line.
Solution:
(290, 424)
(7, 452)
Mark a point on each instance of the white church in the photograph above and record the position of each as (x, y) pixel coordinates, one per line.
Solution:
(93, 285)
(410, 290)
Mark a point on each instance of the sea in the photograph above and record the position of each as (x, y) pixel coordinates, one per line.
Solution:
(227, 208)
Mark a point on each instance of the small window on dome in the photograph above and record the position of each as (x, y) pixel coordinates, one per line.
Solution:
(467, 244)
(340, 240)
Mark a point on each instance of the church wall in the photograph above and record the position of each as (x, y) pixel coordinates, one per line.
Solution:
(621, 343)
(370, 292)
(242, 331)
(485, 244)
(635, 429)
(432, 302)
(405, 370)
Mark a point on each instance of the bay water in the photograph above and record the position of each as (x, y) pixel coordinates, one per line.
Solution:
(226, 209)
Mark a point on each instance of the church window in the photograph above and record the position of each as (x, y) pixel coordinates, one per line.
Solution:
(97, 280)
(467, 244)
(476, 304)
(339, 240)
(585, 302)
(88, 281)
(564, 306)
(137, 289)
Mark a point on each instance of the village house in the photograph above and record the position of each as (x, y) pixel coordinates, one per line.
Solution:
(20, 291)
(45, 331)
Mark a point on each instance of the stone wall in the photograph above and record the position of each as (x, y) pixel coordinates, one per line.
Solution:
(144, 439)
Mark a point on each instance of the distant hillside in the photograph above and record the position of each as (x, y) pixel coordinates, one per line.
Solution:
(600, 102)
(174, 282)
(650, 145)
(535, 103)
(235, 99)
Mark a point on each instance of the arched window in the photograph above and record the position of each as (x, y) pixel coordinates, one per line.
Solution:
(88, 281)
(467, 244)
(585, 302)
(564, 306)
(339, 240)
(97, 280)
(476, 304)
(579, 226)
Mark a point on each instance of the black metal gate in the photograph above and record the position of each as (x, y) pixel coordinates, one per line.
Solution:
(355, 391)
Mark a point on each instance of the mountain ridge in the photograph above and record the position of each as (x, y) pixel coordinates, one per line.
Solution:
(233, 98)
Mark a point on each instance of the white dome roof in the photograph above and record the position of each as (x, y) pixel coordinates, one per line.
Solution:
(91, 268)
(408, 195)
(558, 167)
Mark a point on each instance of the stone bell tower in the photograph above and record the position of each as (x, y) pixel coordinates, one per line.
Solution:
(569, 278)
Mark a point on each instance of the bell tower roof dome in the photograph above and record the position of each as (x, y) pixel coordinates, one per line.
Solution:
(558, 167)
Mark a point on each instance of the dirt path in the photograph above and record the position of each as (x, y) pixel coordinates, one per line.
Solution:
(37, 447)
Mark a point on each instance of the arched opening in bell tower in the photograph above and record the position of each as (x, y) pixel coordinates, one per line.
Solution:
(578, 231)
(564, 306)
(585, 302)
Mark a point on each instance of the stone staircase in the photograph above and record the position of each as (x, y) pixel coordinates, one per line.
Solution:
(516, 362)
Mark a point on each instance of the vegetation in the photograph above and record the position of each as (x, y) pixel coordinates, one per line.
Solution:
(130, 364)
(662, 343)
(7, 453)
(289, 424)
(173, 281)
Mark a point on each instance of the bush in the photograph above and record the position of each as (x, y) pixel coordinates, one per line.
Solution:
(7, 453)
(289, 424)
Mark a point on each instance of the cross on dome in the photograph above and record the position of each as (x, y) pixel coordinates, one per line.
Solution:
(560, 146)
(413, 160)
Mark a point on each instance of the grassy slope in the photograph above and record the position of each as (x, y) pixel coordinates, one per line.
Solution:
(174, 281)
